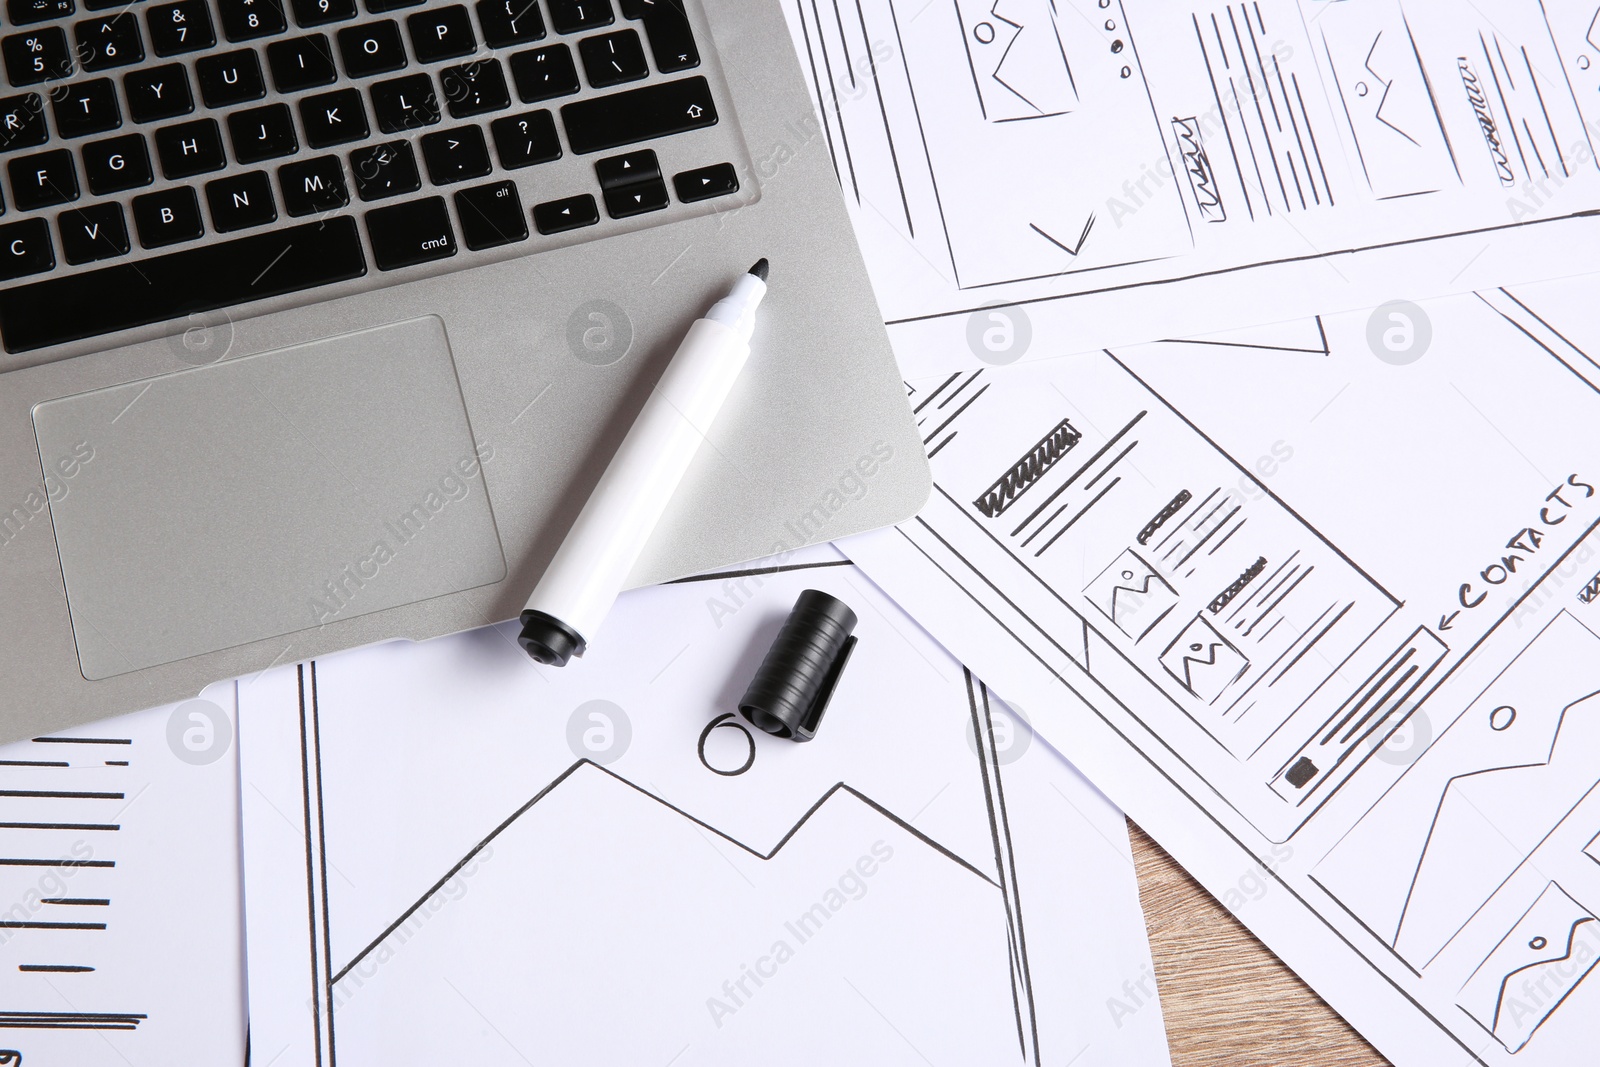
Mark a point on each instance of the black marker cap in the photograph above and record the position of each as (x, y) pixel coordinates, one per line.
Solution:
(548, 639)
(792, 686)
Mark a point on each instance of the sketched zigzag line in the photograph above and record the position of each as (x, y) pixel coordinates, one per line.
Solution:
(1444, 795)
(1210, 660)
(1017, 31)
(1387, 83)
(1500, 999)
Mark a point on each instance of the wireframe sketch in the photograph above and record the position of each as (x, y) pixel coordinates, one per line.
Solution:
(1203, 661)
(1537, 966)
(547, 852)
(1500, 781)
(1404, 563)
(1125, 185)
(1387, 98)
(1132, 595)
(1019, 64)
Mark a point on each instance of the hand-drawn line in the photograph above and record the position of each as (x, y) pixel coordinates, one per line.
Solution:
(1026, 472)
(70, 1020)
(1112, 484)
(1383, 700)
(1068, 249)
(1444, 795)
(1387, 83)
(1091, 461)
(989, 769)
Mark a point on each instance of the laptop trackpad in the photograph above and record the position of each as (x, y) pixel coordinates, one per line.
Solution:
(267, 494)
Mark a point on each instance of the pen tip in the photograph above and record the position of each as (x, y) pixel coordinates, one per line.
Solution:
(760, 269)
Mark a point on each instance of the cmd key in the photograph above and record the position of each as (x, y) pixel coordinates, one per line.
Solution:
(603, 122)
(407, 234)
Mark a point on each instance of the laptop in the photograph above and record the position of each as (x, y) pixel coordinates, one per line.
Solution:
(321, 317)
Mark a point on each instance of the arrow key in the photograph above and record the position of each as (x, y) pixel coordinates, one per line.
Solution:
(559, 216)
(626, 170)
(707, 183)
(625, 201)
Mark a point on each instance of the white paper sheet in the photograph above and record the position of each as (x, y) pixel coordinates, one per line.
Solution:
(1128, 170)
(1324, 622)
(120, 917)
(601, 864)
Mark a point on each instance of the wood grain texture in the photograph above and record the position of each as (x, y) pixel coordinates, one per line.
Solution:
(1227, 1000)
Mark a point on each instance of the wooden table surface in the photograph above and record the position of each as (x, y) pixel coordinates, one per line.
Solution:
(1228, 1002)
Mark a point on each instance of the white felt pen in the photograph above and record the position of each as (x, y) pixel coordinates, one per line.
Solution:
(590, 567)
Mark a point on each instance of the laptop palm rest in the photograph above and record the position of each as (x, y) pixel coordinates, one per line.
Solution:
(266, 494)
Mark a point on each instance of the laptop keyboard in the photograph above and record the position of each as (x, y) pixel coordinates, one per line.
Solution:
(164, 159)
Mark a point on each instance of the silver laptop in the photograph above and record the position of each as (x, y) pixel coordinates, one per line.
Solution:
(320, 318)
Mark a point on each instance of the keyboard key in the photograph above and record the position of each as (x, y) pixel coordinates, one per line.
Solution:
(108, 42)
(23, 12)
(613, 58)
(36, 57)
(559, 216)
(334, 118)
(640, 166)
(625, 201)
(491, 215)
(455, 155)
(167, 217)
(442, 33)
(310, 13)
(157, 93)
(638, 115)
(245, 20)
(86, 107)
(405, 103)
(181, 27)
(44, 180)
(240, 201)
(97, 231)
(542, 73)
(379, 6)
(301, 63)
(372, 49)
(312, 186)
(706, 183)
(523, 140)
(22, 122)
(230, 78)
(159, 288)
(262, 133)
(570, 16)
(475, 88)
(667, 26)
(509, 22)
(190, 148)
(116, 164)
(407, 234)
(25, 249)
(384, 170)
